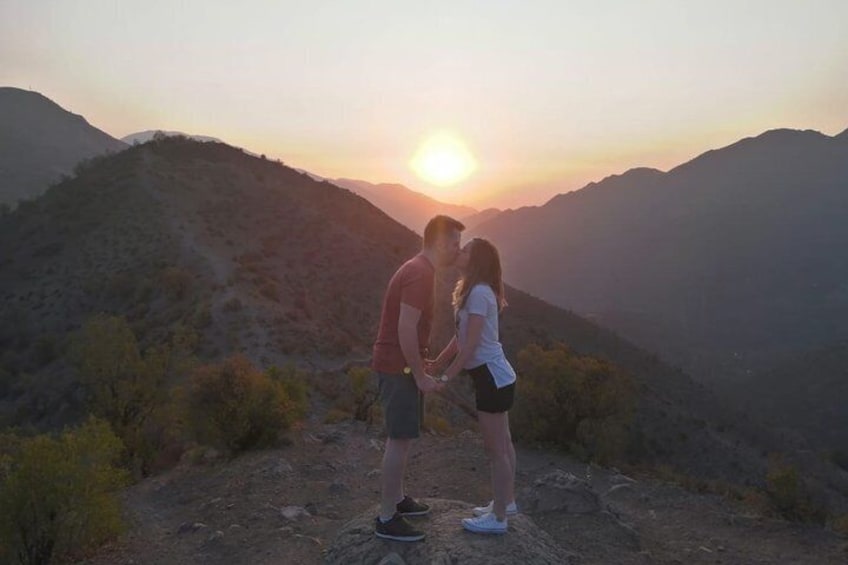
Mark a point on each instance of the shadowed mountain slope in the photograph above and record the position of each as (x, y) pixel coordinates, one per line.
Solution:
(807, 394)
(40, 142)
(722, 265)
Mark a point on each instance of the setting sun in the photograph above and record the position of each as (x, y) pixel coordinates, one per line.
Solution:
(443, 160)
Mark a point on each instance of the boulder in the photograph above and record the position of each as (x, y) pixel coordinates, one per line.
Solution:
(447, 542)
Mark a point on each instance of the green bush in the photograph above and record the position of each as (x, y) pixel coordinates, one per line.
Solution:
(58, 495)
(294, 382)
(122, 386)
(354, 394)
(578, 403)
(789, 494)
(236, 407)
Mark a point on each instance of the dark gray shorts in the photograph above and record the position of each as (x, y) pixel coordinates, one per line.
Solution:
(403, 405)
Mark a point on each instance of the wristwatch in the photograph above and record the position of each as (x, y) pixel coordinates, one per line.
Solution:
(442, 378)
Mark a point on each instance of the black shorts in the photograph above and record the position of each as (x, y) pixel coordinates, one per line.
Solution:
(490, 398)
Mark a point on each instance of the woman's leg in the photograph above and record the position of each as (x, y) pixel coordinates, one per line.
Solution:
(494, 429)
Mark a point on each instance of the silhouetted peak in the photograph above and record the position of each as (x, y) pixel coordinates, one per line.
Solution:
(12, 93)
(765, 145)
(636, 174)
(786, 134)
(632, 177)
(20, 101)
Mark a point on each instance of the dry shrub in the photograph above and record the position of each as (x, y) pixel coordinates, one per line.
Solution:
(236, 407)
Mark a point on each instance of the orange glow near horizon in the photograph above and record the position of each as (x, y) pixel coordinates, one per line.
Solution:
(533, 102)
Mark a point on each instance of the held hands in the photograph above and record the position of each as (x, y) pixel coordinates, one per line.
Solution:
(429, 384)
(431, 366)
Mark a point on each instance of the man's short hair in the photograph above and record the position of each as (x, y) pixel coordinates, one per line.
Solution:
(439, 226)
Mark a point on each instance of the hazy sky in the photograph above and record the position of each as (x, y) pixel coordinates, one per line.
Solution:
(546, 95)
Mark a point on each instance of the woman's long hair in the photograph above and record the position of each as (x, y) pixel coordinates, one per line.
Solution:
(484, 266)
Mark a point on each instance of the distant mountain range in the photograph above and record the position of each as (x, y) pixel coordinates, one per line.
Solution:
(40, 142)
(405, 205)
(724, 265)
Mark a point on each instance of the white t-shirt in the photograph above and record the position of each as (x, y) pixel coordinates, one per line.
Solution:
(482, 301)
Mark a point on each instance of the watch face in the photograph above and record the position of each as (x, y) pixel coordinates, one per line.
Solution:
(443, 378)
(407, 371)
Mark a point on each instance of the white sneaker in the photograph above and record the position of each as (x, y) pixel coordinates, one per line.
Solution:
(511, 509)
(485, 524)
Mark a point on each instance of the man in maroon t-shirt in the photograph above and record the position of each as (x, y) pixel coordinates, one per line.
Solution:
(398, 360)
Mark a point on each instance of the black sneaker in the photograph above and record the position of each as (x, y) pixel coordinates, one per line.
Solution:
(397, 529)
(411, 507)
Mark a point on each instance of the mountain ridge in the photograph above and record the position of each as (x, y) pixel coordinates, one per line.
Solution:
(40, 141)
(724, 265)
(147, 135)
(409, 207)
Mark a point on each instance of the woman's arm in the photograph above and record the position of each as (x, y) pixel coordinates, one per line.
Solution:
(474, 331)
(443, 357)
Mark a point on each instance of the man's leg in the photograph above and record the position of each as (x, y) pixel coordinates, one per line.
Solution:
(393, 470)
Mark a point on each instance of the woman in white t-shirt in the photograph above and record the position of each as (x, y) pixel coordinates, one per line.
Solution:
(478, 300)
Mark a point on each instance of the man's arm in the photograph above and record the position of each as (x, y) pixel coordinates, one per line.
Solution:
(408, 338)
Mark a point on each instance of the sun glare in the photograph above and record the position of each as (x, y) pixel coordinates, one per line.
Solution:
(443, 160)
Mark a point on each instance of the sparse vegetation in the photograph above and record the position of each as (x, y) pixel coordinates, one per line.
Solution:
(235, 407)
(789, 493)
(840, 525)
(176, 282)
(353, 395)
(58, 495)
(123, 386)
(578, 403)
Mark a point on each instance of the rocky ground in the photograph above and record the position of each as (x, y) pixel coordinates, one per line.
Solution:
(313, 500)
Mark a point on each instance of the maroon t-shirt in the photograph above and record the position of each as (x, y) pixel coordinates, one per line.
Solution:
(413, 285)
